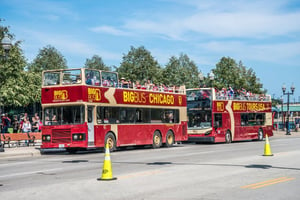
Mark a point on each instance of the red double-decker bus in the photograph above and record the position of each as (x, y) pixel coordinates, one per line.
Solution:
(85, 108)
(217, 118)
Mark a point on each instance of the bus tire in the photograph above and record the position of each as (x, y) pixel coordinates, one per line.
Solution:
(260, 135)
(111, 140)
(170, 139)
(228, 138)
(156, 140)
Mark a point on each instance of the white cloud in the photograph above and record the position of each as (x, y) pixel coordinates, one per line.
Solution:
(271, 53)
(68, 45)
(109, 30)
(258, 19)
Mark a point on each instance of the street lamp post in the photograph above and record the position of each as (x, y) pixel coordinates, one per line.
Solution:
(211, 76)
(201, 78)
(288, 107)
(6, 45)
(281, 100)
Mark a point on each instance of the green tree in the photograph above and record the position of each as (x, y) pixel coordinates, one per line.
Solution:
(14, 81)
(48, 58)
(96, 62)
(139, 65)
(226, 73)
(181, 71)
(229, 73)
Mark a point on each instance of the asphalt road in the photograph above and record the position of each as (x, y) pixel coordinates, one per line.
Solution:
(187, 171)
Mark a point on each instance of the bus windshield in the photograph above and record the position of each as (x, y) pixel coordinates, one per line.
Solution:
(63, 115)
(199, 108)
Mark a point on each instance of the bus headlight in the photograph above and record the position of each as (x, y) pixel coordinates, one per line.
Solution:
(46, 138)
(78, 137)
(75, 137)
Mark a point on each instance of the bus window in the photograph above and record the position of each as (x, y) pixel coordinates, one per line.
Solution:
(252, 119)
(218, 120)
(108, 115)
(51, 78)
(109, 79)
(71, 76)
(143, 115)
(98, 113)
(64, 115)
(92, 77)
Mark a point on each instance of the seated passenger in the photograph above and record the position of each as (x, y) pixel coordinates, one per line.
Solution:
(95, 81)
(88, 79)
(137, 85)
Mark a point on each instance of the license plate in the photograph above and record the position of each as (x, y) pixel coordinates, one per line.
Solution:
(61, 146)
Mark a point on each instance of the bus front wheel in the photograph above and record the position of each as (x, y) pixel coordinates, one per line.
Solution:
(111, 141)
(170, 139)
(156, 140)
(228, 137)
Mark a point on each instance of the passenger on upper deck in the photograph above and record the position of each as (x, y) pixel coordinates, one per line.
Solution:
(88, 79)
(124, 83)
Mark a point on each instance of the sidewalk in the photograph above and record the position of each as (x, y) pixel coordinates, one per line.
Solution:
(25, 151)
(31, 151)
(281, 133)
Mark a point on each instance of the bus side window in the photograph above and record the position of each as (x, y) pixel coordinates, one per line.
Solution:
(218, 120)
(99, 119)
(138, 115)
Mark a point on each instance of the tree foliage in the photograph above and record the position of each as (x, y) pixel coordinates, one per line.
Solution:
(16, 85)
(48, 58)
(96, 62)
(230, 74)
(181, 71)
(139, 65)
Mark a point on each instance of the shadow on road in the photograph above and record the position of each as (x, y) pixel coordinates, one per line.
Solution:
(253, 166)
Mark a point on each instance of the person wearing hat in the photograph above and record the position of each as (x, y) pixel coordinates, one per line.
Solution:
(124, 83)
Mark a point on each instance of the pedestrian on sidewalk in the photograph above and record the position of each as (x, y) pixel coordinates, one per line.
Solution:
(15, 124)
(5, 123)
(26, 128)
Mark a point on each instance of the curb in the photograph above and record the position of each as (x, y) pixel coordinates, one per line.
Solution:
(13, 153)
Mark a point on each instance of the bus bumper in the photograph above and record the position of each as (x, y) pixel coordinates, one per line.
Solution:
(201, 139)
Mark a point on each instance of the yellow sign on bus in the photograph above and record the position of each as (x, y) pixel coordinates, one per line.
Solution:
(60, 95)
(94, 94)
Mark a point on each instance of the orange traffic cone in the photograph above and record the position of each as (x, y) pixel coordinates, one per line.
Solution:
(107, 169)
(268, 151)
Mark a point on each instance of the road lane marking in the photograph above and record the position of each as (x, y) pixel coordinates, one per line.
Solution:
(267, 183)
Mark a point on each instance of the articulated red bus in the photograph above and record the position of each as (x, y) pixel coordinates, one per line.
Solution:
(214, 118)
(85, 108)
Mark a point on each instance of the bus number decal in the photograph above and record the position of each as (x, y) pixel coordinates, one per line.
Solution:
(60, 95)
(94, 94)
(220, 106)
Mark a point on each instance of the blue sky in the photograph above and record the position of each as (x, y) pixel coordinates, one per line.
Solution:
(263, 34)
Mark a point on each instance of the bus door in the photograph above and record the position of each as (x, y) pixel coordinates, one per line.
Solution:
(90, 124)
(218, 124)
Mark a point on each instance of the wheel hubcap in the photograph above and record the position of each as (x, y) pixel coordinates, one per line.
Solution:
(156, 140)
(170, 139)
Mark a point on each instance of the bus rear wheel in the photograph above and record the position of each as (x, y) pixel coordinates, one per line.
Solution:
(170, 139)
(228, 138)
(156, 140)
(111, 141)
